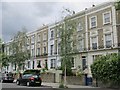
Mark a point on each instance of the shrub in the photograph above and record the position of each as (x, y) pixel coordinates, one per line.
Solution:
(107, 69)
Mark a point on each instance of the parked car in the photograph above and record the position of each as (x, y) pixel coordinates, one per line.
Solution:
(30, 78)
(7, 77)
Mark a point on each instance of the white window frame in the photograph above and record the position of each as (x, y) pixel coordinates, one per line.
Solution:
(96, 41)
(105, 39)
(44, 36)
(38, 37)
(90, 22)
(79, 27)
(33, 39)
(104, 18)
(51, 34)
(38, 52)
(82, 48)
(51, 49)
(52, 63)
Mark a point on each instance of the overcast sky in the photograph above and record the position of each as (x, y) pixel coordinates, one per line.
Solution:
(33, 14)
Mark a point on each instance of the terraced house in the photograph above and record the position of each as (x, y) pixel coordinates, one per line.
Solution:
(97, 33)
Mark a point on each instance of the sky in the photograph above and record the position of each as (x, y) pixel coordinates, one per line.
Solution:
(32, 14)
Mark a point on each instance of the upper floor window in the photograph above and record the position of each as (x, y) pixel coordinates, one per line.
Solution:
(59, 48)
(38, 37)
(94, 42)
(51, 49)
(32, 39)
(52, 34)
(79, 27)
(32, 52)
(38, 51)
(58, 33)
(81, 44)
(44, 49)
(93, 22)
(45, 36)
(28, 41)
(106, 17)
(108, 40)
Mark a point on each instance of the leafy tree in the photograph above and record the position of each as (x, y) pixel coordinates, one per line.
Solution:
(66, 29)
(18, 47)
(117, 5)
(3, 57)
(107, 69)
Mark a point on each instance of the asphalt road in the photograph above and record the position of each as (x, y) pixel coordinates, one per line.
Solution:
(12, 86)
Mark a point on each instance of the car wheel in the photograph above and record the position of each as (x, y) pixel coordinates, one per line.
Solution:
(18, 82)
(28, 84)
(3, 81)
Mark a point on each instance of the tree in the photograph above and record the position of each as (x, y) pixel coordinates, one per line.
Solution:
(4, 59)
(18, 47)
(66, 30)
(107, 69)
(117, 5)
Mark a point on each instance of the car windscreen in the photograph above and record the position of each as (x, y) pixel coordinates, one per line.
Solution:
(32, 72)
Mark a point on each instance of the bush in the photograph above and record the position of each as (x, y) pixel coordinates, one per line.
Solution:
(107, 69)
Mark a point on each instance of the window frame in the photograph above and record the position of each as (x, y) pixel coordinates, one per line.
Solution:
(108, 40)
(91, 22)
(104, 23)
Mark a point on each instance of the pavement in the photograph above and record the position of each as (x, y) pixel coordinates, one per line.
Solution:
(56, 85)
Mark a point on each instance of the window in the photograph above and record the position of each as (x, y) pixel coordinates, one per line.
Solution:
(52, 34)
(28, 40)
(108, 40)
(38, 38)
(44, 50)
(72, 63)
(58, 33)
(44, 36)
(51, 49)
(32, 39)
(93, 22)
(53, 63)
(38, 51)
(33, 64)
(58, 48)
(79, 27)
(106, 18)
(83, 62)
(32, 52)
(28, 64)
(94, 42)
(81, 44)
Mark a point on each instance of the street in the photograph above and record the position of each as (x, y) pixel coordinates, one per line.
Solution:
(14, 86)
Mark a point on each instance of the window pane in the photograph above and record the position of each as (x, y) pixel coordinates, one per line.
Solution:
(106, 18)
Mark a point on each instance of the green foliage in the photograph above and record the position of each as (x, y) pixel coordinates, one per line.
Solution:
(66, 30)
(4, 60)
(117, 5)
(107, 69)
(18, 46)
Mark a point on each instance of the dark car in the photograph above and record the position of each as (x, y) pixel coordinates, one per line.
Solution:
(7, 77)
(30, 78)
